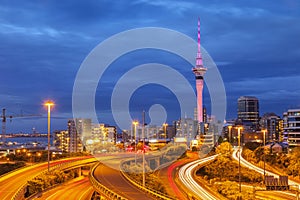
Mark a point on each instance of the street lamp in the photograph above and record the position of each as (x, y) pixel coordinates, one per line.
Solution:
(49, 104)
(165, 131)
(143, 136)
(29, 156)
(264, 132)
(135, 123)
(239, 128)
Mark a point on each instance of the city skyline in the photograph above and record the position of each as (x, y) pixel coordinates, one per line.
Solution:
(255, 47)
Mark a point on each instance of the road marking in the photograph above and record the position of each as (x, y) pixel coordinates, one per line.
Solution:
(85, 192)
(53, 195)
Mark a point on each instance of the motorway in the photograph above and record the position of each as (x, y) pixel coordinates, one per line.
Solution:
(12, 182)
(79, 189)
(275, 195)
(186, 174)
(169, 176)
(114, 180)
(244, 162)
(267, 194)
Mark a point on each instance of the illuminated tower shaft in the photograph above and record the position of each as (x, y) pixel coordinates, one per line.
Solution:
(199, 71)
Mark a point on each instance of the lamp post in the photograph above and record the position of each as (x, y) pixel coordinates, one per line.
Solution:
(264, 132)
(239, 144)
(143, 136)
(165, 131)
(49, 104)
(229, 133)
(29, 156)
(135, 123)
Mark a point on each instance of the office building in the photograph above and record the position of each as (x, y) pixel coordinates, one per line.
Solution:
(248, 111)
(274, 126)
(61, 140)
(104, 133)
(83, 127)
(75, 142)
(186, 128)
(291, 127)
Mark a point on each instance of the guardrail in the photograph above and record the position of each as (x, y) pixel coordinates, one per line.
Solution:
(13, 171)
(19, 195)
(101, 189)
(147, 190)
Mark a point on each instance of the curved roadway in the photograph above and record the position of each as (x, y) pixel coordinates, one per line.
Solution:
(278, 194)
(12, 182)
(186, 174)
(244, 162)
(79, 189)
(114, 180)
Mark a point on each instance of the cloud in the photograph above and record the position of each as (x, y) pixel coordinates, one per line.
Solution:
(255, 45)
(178, 7)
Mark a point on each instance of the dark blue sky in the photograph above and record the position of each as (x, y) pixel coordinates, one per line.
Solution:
(255, 44)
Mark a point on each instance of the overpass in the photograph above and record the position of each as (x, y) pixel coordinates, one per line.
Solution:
(13, 185)
(111, 181)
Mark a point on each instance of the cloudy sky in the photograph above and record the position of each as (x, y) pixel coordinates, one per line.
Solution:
(255, 44)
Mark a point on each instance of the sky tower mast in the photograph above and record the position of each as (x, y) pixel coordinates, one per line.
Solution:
(199, 71)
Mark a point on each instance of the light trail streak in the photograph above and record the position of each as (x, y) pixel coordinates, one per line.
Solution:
(186, 177)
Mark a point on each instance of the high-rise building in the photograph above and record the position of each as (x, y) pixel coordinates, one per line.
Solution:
(186, 128)
(150, 131)
(104, 133)
(75, 143)
(111, 134)
(199, 71)
(248, 111)
(68, 140)
(274, 126)
(61, 140)
(83, 127)
(291, 127)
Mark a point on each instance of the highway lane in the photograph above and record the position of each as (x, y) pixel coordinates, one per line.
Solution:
(186, 174)
(114, 180)
(244, 162)
(78, 189)
(171, 173)
(275, 195)
(10, 184)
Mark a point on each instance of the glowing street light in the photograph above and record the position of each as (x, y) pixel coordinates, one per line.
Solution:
(165, 131)
(49, 103)
(135, 123)
(264, 132)
(239, 128)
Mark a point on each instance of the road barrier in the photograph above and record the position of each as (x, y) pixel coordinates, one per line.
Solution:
(19, 195)
(147, 190)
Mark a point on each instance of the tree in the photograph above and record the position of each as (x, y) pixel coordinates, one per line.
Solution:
(225, 149)
(294, 166)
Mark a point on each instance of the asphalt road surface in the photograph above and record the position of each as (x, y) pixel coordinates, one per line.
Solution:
(78, 189)
(10, 183)
(113, 179)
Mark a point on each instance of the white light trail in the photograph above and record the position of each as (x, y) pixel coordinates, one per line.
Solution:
(186, 177)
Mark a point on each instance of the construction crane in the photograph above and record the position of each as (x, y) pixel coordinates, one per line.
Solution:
(4, 117)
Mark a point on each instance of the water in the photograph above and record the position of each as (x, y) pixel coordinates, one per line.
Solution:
(29, 140)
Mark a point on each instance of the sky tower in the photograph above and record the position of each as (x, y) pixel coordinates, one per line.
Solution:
(199, 71)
